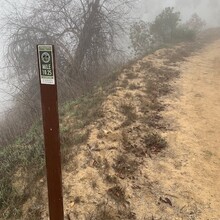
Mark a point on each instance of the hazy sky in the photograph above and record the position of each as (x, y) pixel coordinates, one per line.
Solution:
(209, 10)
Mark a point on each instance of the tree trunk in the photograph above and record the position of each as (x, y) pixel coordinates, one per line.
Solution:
(87, 34)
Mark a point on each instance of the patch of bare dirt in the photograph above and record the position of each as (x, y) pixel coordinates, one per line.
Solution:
(194, 170)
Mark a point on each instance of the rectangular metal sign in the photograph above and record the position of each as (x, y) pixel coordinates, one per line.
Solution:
(48, 88)
(46, 64)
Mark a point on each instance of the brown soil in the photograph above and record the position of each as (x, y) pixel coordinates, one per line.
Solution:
(194, 169)
(124, 172)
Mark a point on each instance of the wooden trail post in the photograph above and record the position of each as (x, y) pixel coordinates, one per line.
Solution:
(48, 88)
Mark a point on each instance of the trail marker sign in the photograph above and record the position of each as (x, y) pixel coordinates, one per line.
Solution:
(46, 64)
(48, 88)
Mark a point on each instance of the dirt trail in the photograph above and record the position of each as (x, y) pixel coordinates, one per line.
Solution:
(194, 111)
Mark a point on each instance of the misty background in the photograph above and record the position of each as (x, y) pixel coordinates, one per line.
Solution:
(206, 9)
(146, 10)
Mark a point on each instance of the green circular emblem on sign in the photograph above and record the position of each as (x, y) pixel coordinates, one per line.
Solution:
(45, 56)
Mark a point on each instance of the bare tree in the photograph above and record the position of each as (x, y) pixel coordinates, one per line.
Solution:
(85, 33)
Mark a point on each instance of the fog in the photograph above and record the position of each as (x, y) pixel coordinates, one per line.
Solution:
(209, 10)
(5, 89)
(4, 97)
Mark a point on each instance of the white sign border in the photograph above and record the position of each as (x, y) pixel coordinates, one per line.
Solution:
(44, 81)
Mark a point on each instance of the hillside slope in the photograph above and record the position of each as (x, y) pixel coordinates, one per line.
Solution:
(125, 170)
(144, 147)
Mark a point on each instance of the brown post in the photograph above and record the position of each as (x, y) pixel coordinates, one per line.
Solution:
(48, 87)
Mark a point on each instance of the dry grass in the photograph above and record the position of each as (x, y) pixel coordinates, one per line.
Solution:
(111, 179)
(125, 166)
(131, 75)
(28, 160)
(117, 193)
(129, 111)
(133, 86)
(104, 211)
(124, 83)
(155, 142)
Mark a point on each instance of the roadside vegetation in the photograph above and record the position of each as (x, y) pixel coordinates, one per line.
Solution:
(165, 30)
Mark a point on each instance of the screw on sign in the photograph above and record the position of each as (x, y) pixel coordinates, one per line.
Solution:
(48, 87)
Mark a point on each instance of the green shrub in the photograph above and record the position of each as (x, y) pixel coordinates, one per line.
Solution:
(182, 33)
(165, 24)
